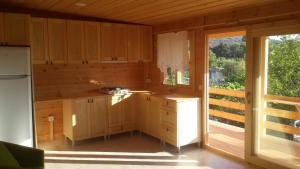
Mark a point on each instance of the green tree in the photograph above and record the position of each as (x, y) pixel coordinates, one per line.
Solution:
(284, 67)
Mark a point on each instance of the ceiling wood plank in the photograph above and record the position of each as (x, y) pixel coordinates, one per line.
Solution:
(150, 12)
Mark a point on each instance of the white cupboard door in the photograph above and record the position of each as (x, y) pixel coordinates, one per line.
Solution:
(98, 116)
(80, 118)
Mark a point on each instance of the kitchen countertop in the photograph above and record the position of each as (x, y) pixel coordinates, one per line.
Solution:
(95, 93)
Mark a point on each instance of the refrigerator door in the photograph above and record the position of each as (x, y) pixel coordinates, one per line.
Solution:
(15, 61)
(16, 110)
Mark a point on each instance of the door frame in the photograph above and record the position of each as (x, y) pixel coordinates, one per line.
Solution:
(205, 95)
(255, 80)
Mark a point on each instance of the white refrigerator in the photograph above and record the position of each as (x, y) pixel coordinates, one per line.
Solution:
(16, 112)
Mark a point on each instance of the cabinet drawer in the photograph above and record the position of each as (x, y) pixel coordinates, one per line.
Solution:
(169, 134)
(169, 104)
(168, 116)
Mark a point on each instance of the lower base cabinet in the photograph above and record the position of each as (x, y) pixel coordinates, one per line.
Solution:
(121, 113)
(84, 118)
(172, 120)
(180, 121)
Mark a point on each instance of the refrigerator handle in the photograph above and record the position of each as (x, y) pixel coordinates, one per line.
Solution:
(12, 77)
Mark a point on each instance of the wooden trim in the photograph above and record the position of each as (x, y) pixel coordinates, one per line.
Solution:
(282, 113)
(282, 128)
(226, 34)
(225, 115)
(225, 154)
(234, 93)
(283, 99)
(225, 103)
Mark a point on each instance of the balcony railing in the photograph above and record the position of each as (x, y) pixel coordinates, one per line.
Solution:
(240, 117)
(227, 104)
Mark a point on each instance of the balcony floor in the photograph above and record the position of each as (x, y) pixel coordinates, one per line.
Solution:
(227, 138)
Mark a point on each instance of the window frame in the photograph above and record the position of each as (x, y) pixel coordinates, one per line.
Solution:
(191, 36)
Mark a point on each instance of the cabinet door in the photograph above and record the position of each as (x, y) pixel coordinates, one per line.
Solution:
(115, 111)
(154, 117)
(81, 115)
(129, 113)
(1, 28)
(142, 112)
(98, 116)
(75, 41)
(120, 42)
(146, 42)
(39, 40)
(107, 43)
(91, 42)
(57, 40)
(134, 46)
(16, 29)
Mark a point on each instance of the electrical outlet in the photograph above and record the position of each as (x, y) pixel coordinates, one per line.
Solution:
(50, 118)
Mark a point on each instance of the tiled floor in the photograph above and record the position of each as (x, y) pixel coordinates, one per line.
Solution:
(132, 152)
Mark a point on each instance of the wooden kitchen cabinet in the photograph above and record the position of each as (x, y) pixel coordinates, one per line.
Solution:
(134, 43)
(120, 42)
(16, 29)
(98, 116)
(115, 113)
(84, 118)
(113, 42)
(142, 111)
(121, 112)
(129, 117)
(92, 42)
(39, 41)
(154, 117)
(107, 42)
(75, 42)
(80, 119)
(148, 114)
(180, 121)
(146, 44)
(57, 41)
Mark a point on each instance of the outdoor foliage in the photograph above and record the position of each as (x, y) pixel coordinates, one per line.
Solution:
(283, 74)
(284, 67)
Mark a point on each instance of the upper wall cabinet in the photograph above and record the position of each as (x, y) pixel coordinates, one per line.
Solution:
(113, 42)
(134, 44)
(91, 42)
(14, 29)
(106, 36)
(57, 40)
(120, 42)
(147, 44)
(75, 42)
(39, 41)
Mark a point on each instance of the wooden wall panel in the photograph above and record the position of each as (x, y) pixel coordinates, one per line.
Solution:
(42, 111)
(63, 81)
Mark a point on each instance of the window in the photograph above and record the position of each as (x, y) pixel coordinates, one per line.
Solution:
(174, 57)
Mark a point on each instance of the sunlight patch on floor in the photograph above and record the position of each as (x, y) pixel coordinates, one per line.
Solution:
(158, 154)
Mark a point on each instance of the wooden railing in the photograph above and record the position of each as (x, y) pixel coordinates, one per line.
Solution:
(227, 104)
(292, 115)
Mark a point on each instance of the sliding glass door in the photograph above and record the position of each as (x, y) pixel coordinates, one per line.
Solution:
(276, 106)
(226, 92)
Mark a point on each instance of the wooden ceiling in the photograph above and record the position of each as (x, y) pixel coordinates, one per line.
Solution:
(150, 12)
